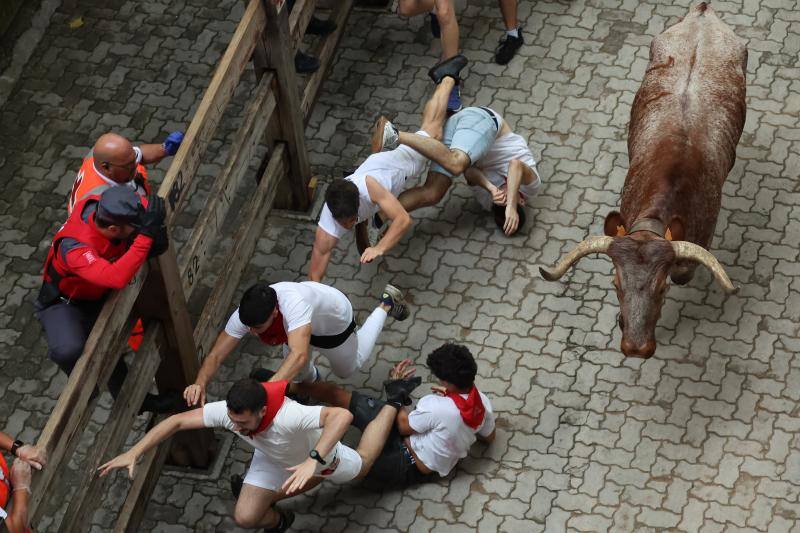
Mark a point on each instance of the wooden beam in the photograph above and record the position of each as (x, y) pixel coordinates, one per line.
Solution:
(218, 303)
(256, 117)
(90, 488)
(181, 172)
(291, 118)
(298, 21)
(100, 350)
(326, 55)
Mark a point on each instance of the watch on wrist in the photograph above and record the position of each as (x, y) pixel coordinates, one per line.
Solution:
(15, 446)
(314, 454)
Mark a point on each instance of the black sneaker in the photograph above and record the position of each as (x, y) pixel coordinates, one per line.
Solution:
(436, 30)
(318, 26)
(236, 485)
(287, 518)
(398, 391)
(508, 48)
(305, 64)
(449, 67)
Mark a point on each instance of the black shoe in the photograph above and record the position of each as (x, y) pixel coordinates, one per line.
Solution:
(436, 30)
(398, 391)
(287, 518)
(449, 67)
(236, 485)
(262, 375)
(305, 64)
(377, 221)
(499, 212)
(168, 402)
(507, 48)
(318, 26)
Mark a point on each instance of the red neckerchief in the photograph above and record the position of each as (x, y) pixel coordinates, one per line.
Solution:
(472, 410)
(275, 334)
(276, 393)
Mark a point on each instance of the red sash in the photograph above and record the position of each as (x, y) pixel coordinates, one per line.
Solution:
(275, 334)
(472, 410)
(5, 483)
(276, 393)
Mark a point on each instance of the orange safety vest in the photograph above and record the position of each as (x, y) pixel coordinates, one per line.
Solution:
(89, 182)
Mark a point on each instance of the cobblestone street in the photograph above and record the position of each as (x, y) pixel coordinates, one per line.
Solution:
(704, 436)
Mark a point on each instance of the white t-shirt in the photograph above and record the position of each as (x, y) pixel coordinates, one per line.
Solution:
(293, 433)
(441, 437)
(327, 310)
(494, 164)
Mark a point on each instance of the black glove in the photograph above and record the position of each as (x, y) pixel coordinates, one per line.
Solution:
(151, 221)
(160, 243)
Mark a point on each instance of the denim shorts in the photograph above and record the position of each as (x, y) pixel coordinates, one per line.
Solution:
(472, 130)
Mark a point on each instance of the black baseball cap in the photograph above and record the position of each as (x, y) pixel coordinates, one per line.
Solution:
(119, 204)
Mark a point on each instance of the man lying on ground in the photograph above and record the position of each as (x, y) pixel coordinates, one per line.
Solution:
(374, 186)
(478, 143)
(296, 446)
(299, 316)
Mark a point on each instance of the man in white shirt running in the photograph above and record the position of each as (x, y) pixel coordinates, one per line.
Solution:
(299, 316)
(434, 436)
(356, 200)
(477, 142)
(296, 446)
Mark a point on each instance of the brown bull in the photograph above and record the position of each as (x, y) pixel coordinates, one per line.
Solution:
(686, 120)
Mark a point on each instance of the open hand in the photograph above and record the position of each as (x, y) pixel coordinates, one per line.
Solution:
(125, 460)
(402, 370)
(512, 221)
(439, 390)
(195, 395)
(371, 254)
(302, 474)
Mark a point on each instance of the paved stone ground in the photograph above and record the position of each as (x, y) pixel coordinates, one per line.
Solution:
(702, 437)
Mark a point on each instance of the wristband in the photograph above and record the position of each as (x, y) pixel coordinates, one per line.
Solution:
(15, 489)
(314, 454)
(16, 446)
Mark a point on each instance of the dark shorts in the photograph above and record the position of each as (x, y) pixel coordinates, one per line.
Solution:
(395, 466)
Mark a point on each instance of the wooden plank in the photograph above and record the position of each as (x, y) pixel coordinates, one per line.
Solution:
(144, 481)
(64, 426)
(326, 55)
(292, 126)
(298, 21)
(181, 172)
(256, 117)
(90, 488)
(254, 218)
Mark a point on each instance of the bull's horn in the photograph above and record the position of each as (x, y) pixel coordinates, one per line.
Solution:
(693, 252)
(591, 245)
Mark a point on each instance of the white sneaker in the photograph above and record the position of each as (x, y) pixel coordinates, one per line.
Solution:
(384, 135)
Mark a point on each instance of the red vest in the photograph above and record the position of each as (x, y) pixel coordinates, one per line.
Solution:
(89, 183)
(5, 484)
(57, 271)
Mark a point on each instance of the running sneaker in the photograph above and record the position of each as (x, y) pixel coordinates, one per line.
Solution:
(393, 297)
(454, 101)
(285, 522)
(507, 48)
(436, 29)
(384, 135)
(398, 391)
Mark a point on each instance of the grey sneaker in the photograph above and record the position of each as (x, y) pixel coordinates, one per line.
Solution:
(393, 297)
(384, 135)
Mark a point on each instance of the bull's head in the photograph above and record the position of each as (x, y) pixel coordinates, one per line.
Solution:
(642, 259)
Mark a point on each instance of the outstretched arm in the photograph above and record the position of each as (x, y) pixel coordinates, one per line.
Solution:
(324, 243)
(195, 394)
(188, 420)
(394, 211)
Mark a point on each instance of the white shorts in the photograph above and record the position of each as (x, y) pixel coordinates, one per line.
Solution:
(270, 476)
(494, 164)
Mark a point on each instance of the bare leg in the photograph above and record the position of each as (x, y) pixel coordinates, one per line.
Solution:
(455, 161)
(509, 10)
(449, 25)
(255, 507)
(409, 8)
(435, 113)
(374, 438)
(426, 195)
